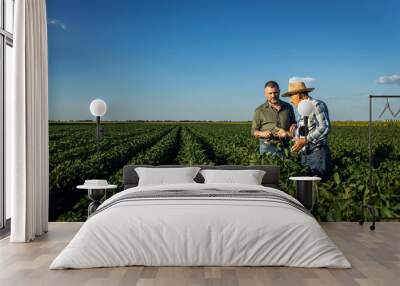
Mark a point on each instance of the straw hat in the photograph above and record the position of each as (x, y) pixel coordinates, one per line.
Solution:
(297, 87)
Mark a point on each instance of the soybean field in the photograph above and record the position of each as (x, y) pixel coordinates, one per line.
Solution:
(74, 158)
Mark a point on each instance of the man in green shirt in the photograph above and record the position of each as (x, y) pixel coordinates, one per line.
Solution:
(274, 121)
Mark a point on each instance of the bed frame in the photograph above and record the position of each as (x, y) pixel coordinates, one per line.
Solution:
(270, 179)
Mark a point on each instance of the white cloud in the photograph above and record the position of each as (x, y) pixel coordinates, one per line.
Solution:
(389, 79)
(56, 23)
(304, 79)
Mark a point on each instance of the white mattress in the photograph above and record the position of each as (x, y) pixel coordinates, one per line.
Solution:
(200, 231)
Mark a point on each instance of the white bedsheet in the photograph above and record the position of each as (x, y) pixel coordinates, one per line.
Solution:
(211, 231)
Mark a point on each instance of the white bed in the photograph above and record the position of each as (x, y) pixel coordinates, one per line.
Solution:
(202, 231)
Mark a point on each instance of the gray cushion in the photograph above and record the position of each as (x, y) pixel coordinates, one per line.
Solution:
(270, 179)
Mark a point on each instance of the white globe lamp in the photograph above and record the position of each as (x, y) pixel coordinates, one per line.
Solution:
(98, 107)
(305, 108)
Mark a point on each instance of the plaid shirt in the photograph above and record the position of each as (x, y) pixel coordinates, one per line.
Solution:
(319, 124)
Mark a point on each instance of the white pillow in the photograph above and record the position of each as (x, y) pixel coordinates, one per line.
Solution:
(248, 177)
(165, 176)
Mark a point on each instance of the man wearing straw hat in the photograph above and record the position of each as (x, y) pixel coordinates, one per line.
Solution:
(313, 148)
(273, 121)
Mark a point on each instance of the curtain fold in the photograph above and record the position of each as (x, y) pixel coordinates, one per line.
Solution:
(28, 121)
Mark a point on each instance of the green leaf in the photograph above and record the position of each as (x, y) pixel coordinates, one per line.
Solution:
(336, 177)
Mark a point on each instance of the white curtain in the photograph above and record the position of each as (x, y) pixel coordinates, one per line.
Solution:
(27, 124)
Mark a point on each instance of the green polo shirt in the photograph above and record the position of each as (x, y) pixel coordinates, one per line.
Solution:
(267, 118)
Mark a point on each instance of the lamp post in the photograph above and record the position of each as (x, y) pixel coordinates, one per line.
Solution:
(304, 190)
(98, 108)
(305, 108)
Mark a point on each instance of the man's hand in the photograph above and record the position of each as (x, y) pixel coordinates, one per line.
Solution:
(300, 142)
(266, 134)
(263, 134)
(281, 133)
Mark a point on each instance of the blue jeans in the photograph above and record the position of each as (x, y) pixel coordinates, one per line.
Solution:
(269, 148)
(319, 161)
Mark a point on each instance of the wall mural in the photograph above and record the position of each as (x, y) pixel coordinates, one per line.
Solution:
(182, 90)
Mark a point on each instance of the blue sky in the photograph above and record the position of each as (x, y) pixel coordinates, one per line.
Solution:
(210, 59)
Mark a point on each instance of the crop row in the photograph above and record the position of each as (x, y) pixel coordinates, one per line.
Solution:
(65, 176)
(192, 151)
(163, 152)
(85, 150)
(84, 136)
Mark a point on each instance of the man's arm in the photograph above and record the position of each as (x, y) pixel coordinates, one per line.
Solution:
(255, 127)
(324, 125)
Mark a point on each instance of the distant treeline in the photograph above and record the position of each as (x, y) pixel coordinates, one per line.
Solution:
(55, 122)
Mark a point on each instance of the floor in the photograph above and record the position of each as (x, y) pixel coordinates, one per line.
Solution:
(375, 256)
